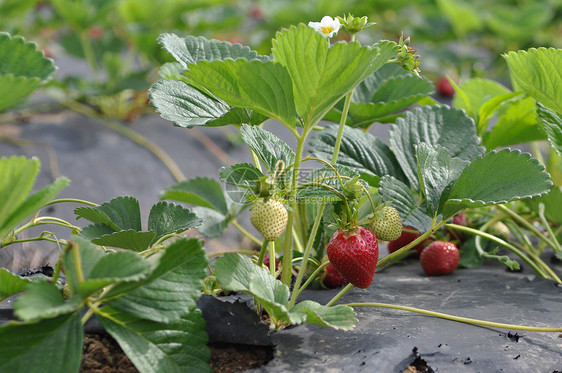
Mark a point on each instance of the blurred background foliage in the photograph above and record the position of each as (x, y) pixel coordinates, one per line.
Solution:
(118, 38)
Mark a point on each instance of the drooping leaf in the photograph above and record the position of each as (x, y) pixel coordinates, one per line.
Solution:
(200, 191)
(535, 72)
(165, 218)
(437, 171)
(238, 273)
(269, 148)
(433, 125)
(190, 49)
(322, 75)
(24, 345)
(154, 347)
(517, 124)
(121, 213)
(11, 284)
(360, 151)
(551, 123)
(42, 300)
(264, 87)
(170, 290)
(337, 317)
(412, 213)
(496, 178)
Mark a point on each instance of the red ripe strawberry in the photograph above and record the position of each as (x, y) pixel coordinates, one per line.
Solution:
(333, 279)
(404, 239)
(444, 87)
(355, 254)
(439, 258)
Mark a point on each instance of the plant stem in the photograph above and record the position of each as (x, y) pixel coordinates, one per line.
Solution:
(404, 249)
(501, 242)
(287, 250)
(245, 232)
(527, 225)
(272, 258)
(262, 252)
(342, 126)
(458, 318)
(311, 278)
(74, 200)
(338, 296)
(306, 254)
(89, 52)
(556, 246)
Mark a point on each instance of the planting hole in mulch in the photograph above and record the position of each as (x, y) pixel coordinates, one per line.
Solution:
(102, 354)
(418, 365)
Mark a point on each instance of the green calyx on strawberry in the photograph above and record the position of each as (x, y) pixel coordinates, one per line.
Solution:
(354, 254)
(270, 218)
(385, 223)
(352, 189)
(439, 258)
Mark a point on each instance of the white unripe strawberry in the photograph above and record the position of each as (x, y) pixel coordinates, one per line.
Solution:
(269, 218)
(386, 224)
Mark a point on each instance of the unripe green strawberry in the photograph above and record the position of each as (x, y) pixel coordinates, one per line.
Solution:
(269, 218)
(66, 293)
(386, 224)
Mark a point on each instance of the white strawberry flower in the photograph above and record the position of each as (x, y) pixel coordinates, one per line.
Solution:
(328, 26)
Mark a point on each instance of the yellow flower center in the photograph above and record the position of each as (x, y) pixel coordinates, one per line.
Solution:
(326, 29)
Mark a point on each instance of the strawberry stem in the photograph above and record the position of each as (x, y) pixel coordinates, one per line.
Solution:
(311, 278)
(404, 249)
(306, 254)
(272, 267)
(338, 296)
(262, 252)
(458, 318)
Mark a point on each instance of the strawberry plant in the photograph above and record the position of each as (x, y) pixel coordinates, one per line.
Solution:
(433, 169)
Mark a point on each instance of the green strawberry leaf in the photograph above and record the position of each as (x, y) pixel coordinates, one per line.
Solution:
(552, 202)
(393, 95)
(310, 189)
(437, 172)
(121, 213)
(11, 284)
(360, 151)
(214, 222)
(200, 191)
(433, 125)
(469, 255)
(532, 72)
(269, 148)
(496, 178)
(238, 273)
(170, 290)
(60, 339)
(185, 105)
(23, 69)
(321, 74)
(155, 347)
(190, 49)
(517, 123)
(244, 175)
(406, 203)
(99, 269)
(42, 300)
(264, 87)
(165, 218)
(126, 239)
(337, 317)
(477, 92)
(551, 123)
